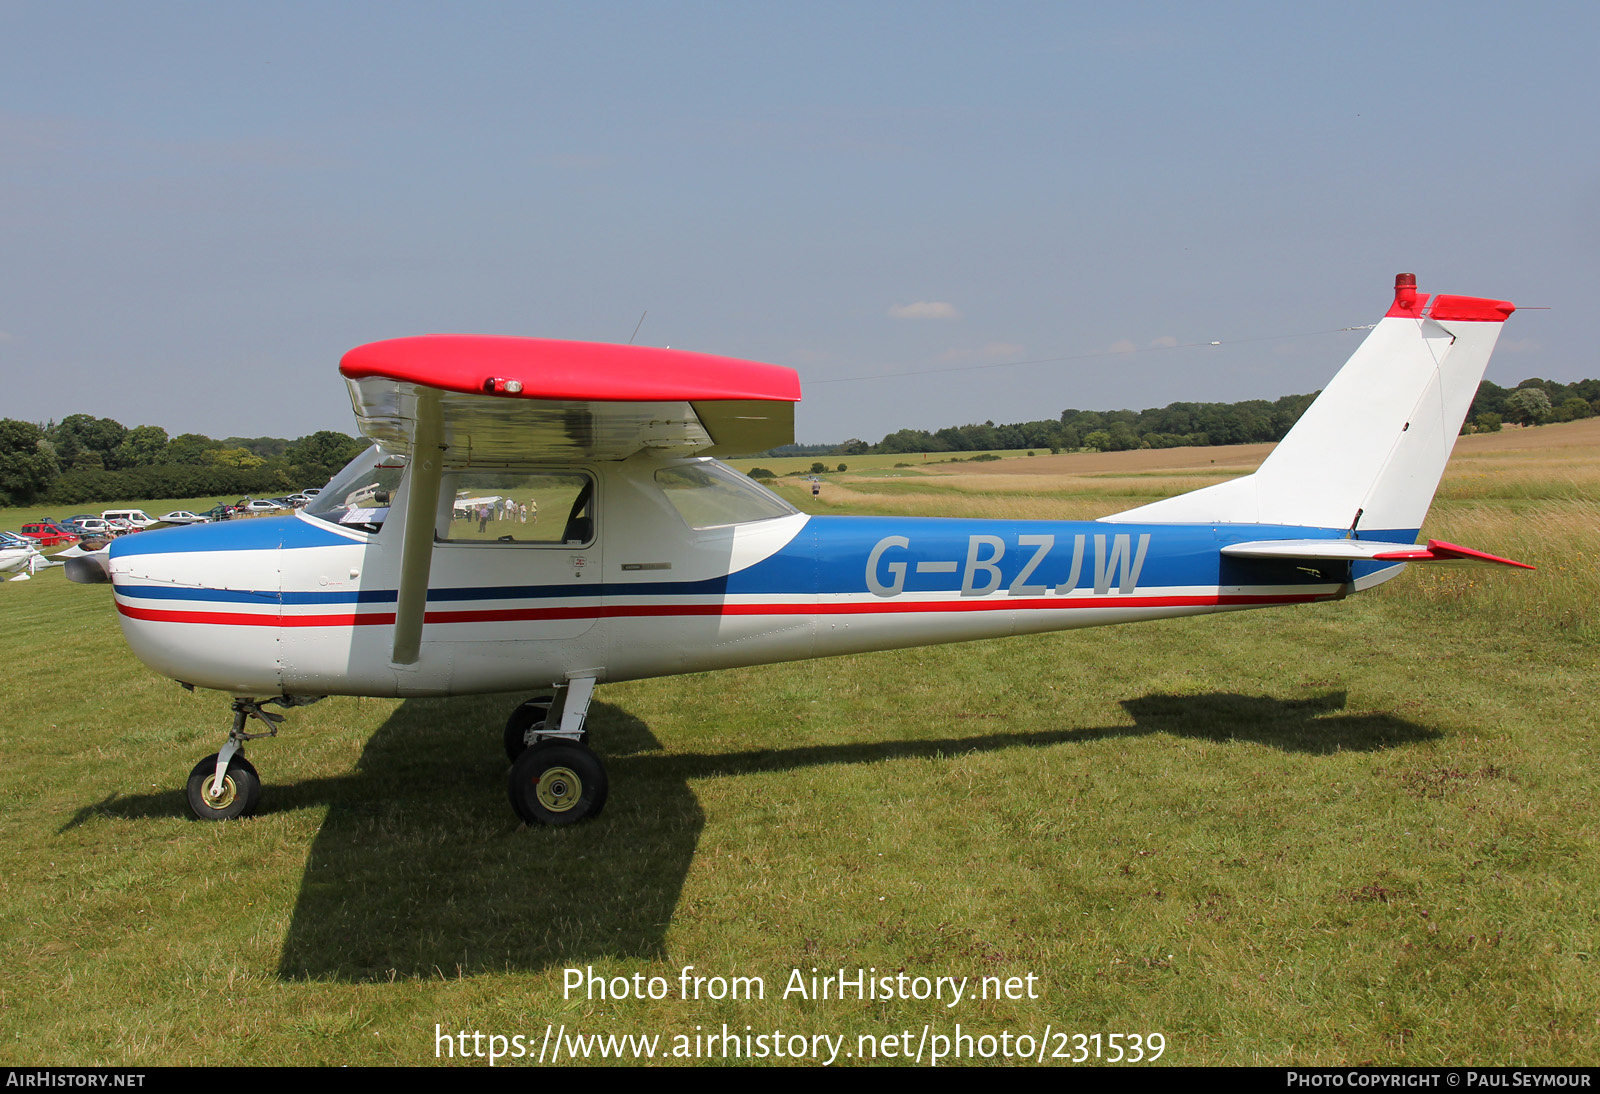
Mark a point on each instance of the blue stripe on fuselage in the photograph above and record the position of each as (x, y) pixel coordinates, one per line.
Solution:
(973, 556)
(830, 555)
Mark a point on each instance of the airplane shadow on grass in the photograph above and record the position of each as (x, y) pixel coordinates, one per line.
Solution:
(419, 870)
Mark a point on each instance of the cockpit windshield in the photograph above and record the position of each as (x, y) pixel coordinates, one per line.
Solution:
(359, 496)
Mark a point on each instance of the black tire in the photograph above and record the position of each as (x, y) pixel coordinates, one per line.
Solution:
(525, 721)
(241, 790)
(558, 782)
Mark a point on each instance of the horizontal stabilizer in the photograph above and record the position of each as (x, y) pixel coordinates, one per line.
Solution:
(89, 567)
(1365, 550)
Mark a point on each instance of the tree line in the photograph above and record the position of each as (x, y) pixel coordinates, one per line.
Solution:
(1252, 421)
(83, 459)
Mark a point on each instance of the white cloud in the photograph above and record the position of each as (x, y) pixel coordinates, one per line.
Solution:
(925, 309)
(1123, 345)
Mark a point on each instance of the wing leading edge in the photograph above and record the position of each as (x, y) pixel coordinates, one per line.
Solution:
(514, 399)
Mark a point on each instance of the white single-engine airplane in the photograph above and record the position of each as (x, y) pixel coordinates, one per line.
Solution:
(416, 573)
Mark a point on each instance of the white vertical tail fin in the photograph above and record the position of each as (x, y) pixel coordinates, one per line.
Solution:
(1372, 447)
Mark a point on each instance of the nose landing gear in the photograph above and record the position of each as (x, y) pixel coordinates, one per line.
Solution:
(238, 795)
(225, 786)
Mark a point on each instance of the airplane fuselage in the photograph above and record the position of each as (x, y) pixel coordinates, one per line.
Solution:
(304, 606)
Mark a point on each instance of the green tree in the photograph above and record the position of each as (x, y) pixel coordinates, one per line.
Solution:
(76, 432)
(1122, 437)
(142, 446)
(234, 457)
(27, 462)
(1573, 408)
(316, 458)
(190, 448)
(1529, 406)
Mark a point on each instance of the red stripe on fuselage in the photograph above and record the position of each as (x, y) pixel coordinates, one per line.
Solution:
(255, 619)
(621, 611)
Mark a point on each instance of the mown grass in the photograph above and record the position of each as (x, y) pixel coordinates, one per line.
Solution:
(1361, 832)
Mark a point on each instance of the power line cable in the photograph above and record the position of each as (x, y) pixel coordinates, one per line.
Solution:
(1084, 356)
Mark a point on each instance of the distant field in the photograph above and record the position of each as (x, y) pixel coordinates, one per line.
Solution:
(1360, 832)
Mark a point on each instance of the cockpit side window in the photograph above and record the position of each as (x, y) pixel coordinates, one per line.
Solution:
(541, 508)
(708, 495)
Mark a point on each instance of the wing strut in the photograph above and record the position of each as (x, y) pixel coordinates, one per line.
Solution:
(422, 508)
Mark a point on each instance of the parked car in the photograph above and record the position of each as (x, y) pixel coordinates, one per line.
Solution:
(93, 526)
(183, 516)
(263, 507)
(138, 518)
(219, 512)
(49, 534)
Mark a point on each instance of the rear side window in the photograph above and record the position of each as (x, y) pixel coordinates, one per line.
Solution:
(710, 495)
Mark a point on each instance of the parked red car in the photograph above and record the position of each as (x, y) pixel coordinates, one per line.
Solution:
(49, 534)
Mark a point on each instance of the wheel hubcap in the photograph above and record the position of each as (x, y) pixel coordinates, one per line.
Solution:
(559, 789)
(224, 799)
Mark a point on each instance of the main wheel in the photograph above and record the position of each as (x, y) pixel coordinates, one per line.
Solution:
(525, 721)
(558, 782)
(241, 789)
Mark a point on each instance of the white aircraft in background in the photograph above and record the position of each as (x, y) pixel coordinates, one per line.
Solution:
(660, 560)
(21, 556)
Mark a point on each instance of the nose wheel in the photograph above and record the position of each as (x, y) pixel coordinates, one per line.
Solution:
(238, 795)
(224, 785)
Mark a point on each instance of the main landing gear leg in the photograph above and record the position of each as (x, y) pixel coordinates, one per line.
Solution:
(555, 778)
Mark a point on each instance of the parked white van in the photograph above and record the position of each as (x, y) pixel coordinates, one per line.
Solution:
(135, 517)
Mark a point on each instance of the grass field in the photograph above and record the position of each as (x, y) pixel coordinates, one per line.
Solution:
(1351, 833)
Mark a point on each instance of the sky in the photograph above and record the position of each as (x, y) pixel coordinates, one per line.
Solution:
(936, 213)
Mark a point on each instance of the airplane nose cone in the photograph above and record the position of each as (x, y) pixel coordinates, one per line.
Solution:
(201, 603)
